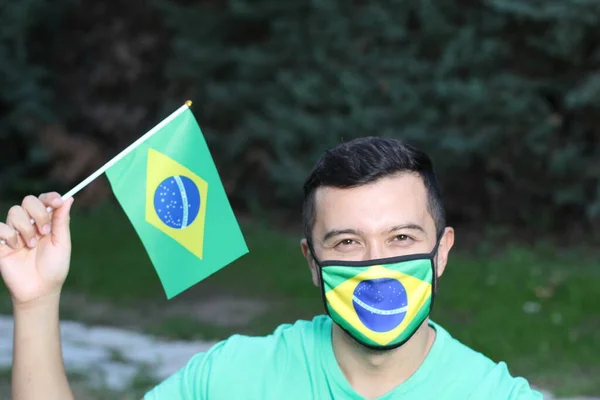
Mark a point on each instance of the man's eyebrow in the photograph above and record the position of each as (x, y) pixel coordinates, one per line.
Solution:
(337, 232)
(409, 226)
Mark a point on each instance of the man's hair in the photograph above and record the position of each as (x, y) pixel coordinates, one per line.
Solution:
(365, 160)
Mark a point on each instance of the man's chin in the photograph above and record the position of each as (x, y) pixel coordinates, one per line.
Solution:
(363, 348)
(374, 350)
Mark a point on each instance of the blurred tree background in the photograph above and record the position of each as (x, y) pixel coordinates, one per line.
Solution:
(504, 94)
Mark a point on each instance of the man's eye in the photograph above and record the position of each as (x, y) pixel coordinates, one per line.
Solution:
(402, 238)
(346, 242)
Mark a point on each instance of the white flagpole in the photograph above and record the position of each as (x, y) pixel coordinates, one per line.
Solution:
(119, 156)
(125, 152)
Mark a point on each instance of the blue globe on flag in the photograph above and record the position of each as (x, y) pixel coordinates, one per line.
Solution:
(177, 202)
(380, 304)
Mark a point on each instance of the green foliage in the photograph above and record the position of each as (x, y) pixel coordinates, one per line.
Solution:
(24, 96)
(502, 93)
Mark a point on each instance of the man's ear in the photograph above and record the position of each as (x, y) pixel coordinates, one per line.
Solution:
(312, 265)
(446, 243)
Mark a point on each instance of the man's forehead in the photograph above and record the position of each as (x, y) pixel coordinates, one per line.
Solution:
(401, 187)
(379, 205)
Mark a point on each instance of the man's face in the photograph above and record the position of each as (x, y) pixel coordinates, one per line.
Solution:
(386, 218)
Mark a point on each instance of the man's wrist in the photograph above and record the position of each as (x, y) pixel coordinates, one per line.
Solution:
(47, 303)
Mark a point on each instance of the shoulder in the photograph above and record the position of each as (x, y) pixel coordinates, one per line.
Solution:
(250, 361)
(480, 375)
(285, 339)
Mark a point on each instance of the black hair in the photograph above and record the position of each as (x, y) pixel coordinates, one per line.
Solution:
(365, 160)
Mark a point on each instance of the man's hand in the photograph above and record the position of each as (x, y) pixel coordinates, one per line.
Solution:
(34, 261)
(35, 252)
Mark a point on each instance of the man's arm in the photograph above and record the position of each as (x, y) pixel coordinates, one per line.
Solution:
(38, 370)
(35, 252)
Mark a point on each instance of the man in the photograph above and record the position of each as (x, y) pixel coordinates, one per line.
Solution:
(376, 242)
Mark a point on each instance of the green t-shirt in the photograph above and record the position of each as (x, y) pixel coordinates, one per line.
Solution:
(296, 362)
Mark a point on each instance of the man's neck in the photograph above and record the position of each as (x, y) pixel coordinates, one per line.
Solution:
(373, 373)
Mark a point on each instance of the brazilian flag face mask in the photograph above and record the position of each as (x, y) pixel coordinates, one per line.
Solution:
(380, 303)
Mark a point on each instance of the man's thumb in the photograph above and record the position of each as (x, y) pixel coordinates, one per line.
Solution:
(61, 233)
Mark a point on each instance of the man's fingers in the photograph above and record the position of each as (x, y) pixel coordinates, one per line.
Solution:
(19, 220)
(51, 200)
(38, 212)
(61, 232)
(8, 237)
(34, 216)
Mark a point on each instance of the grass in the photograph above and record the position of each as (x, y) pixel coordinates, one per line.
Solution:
(534, 307)
(186, 328)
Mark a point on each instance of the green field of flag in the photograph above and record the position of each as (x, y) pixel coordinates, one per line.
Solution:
(170, 189)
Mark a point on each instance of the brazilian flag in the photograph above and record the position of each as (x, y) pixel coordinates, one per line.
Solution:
(170, 189)
(380, 304)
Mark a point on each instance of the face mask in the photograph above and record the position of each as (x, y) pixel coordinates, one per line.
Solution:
(380, 303)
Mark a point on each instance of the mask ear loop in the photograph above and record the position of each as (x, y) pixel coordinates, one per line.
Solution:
(434, 282)
(311, 250)
(320, 272)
